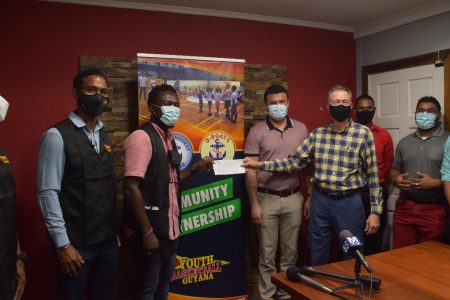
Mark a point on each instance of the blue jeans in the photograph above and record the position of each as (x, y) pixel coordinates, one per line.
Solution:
(329, 217)
(99, 273)
(153, 272)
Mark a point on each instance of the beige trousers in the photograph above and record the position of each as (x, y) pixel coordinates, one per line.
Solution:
(282, 217)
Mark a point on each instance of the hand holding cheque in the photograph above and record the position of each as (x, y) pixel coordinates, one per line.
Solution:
(250, 163)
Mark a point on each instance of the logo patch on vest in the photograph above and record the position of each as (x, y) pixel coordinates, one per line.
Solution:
(107, 148)
(4, 159)
(218, 145)
(184, 147)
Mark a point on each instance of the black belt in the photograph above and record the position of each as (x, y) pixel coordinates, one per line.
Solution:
(423, 201)
(283, 193)
(430, 201)
(335, 194)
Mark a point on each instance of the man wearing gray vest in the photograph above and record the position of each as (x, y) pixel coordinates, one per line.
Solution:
(77, 194)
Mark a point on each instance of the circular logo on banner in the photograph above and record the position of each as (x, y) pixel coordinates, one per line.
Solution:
(184, 147)
(218, 145)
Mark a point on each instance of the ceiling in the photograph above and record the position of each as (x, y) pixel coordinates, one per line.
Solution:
(362, 17)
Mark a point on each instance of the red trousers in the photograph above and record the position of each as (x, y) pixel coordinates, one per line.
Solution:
(416, 223)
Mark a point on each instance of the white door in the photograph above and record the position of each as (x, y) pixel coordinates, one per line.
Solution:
(396, 94)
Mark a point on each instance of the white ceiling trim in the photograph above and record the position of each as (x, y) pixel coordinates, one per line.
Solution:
(206, 12)
(380, 25)
(392, 21)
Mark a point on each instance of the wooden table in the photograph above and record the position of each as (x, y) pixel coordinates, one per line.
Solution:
(417, 272)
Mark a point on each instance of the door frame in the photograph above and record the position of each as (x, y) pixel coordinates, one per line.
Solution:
(409, 62)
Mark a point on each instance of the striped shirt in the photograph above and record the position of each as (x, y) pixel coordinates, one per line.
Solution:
(344, 160)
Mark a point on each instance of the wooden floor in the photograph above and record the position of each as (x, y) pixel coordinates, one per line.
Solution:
(196, 124)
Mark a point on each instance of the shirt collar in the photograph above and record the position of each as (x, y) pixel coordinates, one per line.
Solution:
(77, 121)
(160, 131)
(437, 132)
(374, 127)
(269, 124)
(350, 124)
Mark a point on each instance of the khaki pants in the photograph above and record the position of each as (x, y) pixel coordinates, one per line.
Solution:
(282, 217)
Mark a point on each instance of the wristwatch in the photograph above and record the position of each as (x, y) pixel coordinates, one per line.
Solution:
(22, 256)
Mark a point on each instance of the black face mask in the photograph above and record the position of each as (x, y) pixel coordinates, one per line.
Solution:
(364, 116)
(94, 105)
(340, 112)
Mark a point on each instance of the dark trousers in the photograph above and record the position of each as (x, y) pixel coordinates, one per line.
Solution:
(227, 108)
(200, 103)
(99, 273)
(328, 217)
(153, 271)
(9, 291)
(234, 112)
(8, 248)
(372, 242)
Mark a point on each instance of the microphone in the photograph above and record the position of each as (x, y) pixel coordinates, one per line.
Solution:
(351, 245)
(294, 273)
(311, 272)
(367, 281)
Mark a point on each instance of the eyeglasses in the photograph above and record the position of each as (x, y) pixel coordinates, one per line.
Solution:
(428, 110)
(93, 90)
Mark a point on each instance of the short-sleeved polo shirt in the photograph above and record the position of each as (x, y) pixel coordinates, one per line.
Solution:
(416, 154)
(268, 143)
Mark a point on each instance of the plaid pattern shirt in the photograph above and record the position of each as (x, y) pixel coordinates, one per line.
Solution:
(344, 160)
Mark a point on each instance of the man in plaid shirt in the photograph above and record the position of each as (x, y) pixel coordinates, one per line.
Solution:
(345, 161)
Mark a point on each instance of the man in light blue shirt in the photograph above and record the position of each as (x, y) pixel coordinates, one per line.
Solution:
(445, 177)
(445, 169)
(50, 173)
(76, 194)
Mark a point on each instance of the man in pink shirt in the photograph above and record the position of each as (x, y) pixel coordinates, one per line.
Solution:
(152, 193)
(275, 199)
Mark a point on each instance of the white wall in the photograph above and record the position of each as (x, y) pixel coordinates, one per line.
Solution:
(424, 36)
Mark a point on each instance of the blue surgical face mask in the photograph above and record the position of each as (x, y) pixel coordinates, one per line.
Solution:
(425, 120)
(170, 115)
(277, 111)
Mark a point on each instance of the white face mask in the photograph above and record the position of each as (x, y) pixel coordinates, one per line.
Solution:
(277, 111)
(3, 108)
(170, 115)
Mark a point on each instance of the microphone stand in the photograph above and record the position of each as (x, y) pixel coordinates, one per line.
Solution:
(366, 280)
(357, 284)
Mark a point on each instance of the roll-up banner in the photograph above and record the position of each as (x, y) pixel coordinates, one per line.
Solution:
(211, 256)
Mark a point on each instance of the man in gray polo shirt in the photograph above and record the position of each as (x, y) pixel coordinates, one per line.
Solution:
(275, 198)
(420, 213)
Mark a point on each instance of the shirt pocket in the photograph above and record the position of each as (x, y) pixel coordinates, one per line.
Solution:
(348, 157)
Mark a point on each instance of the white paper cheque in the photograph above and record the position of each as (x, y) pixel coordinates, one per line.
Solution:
(228, 167)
